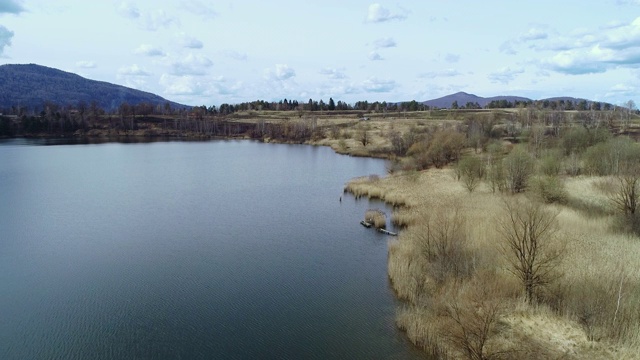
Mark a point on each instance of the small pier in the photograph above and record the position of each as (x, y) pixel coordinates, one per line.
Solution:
(387, 232)
(377, 219)
(380, 230)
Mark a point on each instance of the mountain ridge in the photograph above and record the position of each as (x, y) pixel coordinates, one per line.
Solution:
(32, 85)
(463, 98)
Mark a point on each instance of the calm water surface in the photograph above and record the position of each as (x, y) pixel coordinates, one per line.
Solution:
(189, 250)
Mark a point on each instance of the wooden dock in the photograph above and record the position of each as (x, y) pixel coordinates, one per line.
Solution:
(365, 224)
(387, 232)
(384, 231)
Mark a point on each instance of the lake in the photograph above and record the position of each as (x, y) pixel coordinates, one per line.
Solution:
(190, 250)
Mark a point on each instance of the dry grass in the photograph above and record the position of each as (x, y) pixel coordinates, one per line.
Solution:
(592, 311)
(378, 130)
(601, 273)
(376, 217)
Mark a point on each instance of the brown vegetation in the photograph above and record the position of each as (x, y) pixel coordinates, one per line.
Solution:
(376, 217)
(534, 261)
(532, 254)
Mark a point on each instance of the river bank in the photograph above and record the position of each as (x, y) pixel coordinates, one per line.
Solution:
(468, 300)
(467, 288)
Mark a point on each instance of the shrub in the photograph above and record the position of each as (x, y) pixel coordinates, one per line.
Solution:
(376, 217)
(518, 166)
(575, 139)
(551, 163)
(471, 170)
(550, 189)
(342, 145)
(572, 165)
(444, 244)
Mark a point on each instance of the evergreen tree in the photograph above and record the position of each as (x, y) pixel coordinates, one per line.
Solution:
(332, 105)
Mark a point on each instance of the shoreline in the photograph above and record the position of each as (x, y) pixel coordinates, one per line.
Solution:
(417, 199)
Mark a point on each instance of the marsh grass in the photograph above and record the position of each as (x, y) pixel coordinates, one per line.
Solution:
(376, 217)
(592, 311)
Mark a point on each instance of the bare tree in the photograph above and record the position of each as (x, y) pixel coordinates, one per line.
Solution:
(621, 158)
(537, 138)
(443, 243)
(630, 107)
(626, 193)
(474, 322)
(530, 245)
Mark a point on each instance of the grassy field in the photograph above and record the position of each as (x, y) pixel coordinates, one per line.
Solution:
(449, 264)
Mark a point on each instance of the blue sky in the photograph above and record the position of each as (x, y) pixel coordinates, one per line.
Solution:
(200, 52)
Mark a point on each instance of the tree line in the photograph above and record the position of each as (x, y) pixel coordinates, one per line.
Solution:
(147, 109)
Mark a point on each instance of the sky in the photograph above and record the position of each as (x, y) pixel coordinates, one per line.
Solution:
(199, 52)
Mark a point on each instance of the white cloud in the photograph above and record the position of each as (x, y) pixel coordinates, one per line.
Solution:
(385, 43)
(587, 61)
(232, 54)
(508, 47)
(152, 21)
(378, 14)
(613, 24)
(128, 10)
(442, 73)
(198, 8)
(604, 49)
(11, 7)
(133, 70)
(149, 50)
(191, 65)
(342, 89)
(5, 38)
(158, 19)
(374, 56)
(623, 36)
(333, 73)
(376, 85)
(86, 64)
(133, 76)
(280, 73)
(183, 85)
(505, 75)
(620, 90)
(452, 58)
(534, 34)
(223, 86)
(190, 42)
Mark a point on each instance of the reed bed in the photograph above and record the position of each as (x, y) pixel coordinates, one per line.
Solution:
(592, 311)
(376, 217)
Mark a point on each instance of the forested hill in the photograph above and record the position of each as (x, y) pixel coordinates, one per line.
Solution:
(31, 85)
(462, 98)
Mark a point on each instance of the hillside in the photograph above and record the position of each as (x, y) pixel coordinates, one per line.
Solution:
(462, 98)
(30, 85)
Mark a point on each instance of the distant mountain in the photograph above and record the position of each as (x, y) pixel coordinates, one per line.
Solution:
(462, 98)
(31, 85)
(565, 99)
